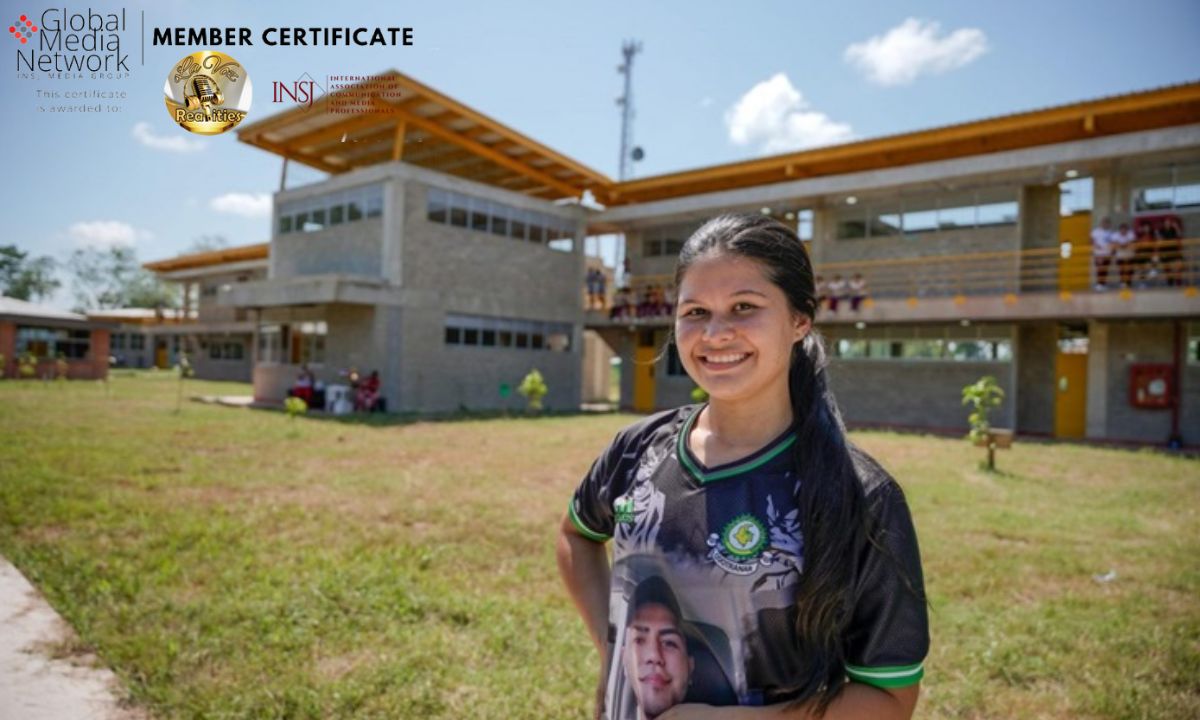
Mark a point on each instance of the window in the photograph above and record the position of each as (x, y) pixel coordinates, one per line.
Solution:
(665, 241)
(270, 343)
(317, 213)
(494, 332)
(981, 350)
(981, 208)
(517, 225)
(458, 210)
(1004, 213)
(308, 342)
(435, 205)
(804, 224)
(118, 341)
(225, 350)
(478, 215)
(46, 342)
(137, 341)
(1163, 189)
(499, 220)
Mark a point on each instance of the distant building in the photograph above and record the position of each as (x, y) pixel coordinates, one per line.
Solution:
(219, 338)
(50, 335)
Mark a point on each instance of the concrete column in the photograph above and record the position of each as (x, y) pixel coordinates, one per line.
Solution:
(1097, 393)
(393, 231)
(1038, 228)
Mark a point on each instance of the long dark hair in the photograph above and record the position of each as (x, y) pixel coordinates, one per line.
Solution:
(834, 517)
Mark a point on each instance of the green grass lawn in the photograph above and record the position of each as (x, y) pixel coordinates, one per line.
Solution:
(230, 563)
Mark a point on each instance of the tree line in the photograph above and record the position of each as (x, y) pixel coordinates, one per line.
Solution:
(99, 278)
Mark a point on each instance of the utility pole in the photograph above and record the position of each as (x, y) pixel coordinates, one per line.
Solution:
(628, 49)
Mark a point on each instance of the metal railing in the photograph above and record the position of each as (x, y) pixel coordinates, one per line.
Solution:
(1007, 272)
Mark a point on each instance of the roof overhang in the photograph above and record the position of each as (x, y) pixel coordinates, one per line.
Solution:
(1148, 110)
(237, 257)
(402, 119)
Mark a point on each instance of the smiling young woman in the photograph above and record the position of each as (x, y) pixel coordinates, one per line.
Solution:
(790, 555)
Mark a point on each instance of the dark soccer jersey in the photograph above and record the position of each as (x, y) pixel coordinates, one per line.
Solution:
(717, 552)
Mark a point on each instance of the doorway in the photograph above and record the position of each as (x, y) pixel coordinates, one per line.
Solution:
(1070, 381)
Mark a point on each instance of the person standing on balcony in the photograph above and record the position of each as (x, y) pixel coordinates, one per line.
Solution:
(1123, 243)
(858, 291)
(1170, 251)
(1102, 251)
(1143, 254)
(837, 291)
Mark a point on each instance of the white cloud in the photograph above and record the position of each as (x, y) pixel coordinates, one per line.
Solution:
(913, 48)
(105, 233)
(245, 204)
(177, 143)
(776, 117)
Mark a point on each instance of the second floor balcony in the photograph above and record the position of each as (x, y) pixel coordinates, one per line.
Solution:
(1043, 283)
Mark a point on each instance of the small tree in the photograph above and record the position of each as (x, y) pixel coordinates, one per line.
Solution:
(184, 368)
(61, 367)
(27, 365)
(983, 396)
(295, 406)
(533, 387)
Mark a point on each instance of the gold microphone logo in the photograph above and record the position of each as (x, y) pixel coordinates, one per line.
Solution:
(208, 92)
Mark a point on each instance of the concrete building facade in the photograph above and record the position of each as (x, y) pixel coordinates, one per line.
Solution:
(463, 263)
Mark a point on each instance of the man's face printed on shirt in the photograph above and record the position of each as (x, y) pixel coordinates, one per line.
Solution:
(656, 659)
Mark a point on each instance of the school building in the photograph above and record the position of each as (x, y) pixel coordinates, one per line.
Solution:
(446, 250)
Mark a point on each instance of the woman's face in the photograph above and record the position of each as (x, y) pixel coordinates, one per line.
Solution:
(734, 328)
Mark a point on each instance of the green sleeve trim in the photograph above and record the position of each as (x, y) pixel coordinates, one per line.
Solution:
(894, 676)
(584, 530)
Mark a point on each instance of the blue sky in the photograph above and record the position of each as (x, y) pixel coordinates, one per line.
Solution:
(716, 82)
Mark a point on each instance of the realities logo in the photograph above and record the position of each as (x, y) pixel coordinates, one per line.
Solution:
(208, 92)
(22, 29)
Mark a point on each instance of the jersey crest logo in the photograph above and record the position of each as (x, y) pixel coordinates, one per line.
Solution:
(739, 545)
(623, 510)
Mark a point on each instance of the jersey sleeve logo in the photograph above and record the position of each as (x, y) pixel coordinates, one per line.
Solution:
(623, 510)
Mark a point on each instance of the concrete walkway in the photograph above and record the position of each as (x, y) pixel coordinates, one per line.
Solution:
(34, 686)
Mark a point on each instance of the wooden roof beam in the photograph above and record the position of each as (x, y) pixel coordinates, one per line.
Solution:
(485, 151)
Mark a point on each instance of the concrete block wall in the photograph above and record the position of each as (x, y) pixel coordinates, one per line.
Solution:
(914, 393)
(354, 248)
(1130, 343)
(448, 269)
(1036, 351)
(242, 370)
(208, 310)
(437, 377)
(480, 273)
